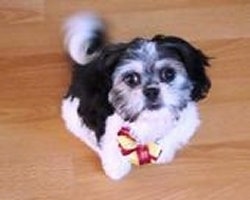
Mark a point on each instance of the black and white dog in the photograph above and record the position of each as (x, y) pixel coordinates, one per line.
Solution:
(149, 85)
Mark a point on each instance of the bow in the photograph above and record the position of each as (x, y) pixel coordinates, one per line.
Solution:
(138, 154)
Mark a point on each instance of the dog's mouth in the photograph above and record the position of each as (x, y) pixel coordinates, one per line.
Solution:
(132, 116)
(153, 105)
(149, 106)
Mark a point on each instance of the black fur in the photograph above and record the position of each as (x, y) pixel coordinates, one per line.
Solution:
(194, 60)
(91, 84)
(97, 42)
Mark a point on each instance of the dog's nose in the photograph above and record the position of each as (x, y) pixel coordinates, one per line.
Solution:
(151, 93)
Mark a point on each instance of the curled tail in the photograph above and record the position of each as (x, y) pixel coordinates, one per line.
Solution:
(84, 37)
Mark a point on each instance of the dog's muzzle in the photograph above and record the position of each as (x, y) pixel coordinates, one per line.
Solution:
(152, 97)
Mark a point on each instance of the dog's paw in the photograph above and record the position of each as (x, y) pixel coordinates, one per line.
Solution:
(116, 170)
(167, 155)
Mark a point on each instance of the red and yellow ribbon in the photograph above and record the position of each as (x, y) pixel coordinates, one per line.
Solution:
(138, 154)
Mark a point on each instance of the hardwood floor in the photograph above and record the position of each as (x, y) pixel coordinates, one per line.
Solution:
(40, 160)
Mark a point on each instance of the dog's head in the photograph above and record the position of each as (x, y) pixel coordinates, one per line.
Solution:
(164, 72)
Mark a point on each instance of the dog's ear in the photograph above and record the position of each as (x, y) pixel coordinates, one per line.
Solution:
(195, 62)
(110, 57)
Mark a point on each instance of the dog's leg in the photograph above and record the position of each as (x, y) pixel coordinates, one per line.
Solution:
(75, 125)
(114, 163)
(180, 135)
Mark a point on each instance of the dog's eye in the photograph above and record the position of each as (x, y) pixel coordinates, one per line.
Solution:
(132, 79)
(167, 74)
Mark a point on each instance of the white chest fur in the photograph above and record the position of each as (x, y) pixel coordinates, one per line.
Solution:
(161, 127)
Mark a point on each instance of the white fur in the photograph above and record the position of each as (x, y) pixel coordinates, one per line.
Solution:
(149, 48)
(78, 32)
(114, 163)
(75, 125)
(180, 134)
(159, 126)
(152, 125)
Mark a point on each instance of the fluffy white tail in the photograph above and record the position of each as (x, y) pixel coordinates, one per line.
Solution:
(84, 37)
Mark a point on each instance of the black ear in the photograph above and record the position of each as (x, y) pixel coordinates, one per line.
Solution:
(194, 60)
(110, 57)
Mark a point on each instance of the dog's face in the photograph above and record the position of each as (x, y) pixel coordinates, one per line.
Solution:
(156, 74)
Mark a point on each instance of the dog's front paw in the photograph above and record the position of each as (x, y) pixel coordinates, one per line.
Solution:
(167, 155)
(116, 170)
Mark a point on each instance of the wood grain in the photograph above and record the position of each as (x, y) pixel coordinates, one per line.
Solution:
(40, 160)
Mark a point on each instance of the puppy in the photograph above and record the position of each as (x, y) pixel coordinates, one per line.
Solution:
(151, 86)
